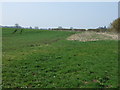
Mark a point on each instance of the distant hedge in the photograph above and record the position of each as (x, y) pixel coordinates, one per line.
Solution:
(97, 30)
(115, 26)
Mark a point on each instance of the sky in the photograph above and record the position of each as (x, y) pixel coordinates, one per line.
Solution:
(53, 14)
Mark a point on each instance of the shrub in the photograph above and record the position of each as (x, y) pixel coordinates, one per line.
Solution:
(115, 26)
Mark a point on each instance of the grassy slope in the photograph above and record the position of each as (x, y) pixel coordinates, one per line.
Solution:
(46, 59)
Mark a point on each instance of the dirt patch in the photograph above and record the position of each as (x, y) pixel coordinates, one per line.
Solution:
(93, 36)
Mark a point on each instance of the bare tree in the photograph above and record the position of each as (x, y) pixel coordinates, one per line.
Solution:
(60, 27)
(71, 28)
(30, 27)
(36, 27)
(17, 26)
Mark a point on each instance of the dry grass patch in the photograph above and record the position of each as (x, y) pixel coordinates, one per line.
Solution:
(93, 36)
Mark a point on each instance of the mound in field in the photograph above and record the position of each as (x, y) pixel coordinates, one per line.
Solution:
(93, 36)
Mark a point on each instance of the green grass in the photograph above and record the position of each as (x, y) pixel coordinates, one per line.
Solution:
(45, 59)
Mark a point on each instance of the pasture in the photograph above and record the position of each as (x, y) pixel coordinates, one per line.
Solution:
(46, 59)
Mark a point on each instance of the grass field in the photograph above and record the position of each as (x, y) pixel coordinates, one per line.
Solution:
(46, 59)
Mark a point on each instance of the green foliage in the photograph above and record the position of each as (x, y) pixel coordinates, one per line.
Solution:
(115, 26)
(45, 59)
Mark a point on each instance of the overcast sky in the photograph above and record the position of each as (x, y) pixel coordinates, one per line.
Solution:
(65, 14)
